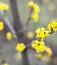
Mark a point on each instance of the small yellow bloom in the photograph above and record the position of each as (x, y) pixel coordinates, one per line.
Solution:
(5, 64)
(41, 33)
(39, 56)
(1, 25)
(48, 51)
(31, 4)
(9, 36)
(52, 26)
(20, 47)
(38, 46)
(36, 8)
(35, 17)
(30, 35)
(3, 7)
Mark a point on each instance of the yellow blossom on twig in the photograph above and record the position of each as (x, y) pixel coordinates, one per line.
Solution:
(36, 8)
(39, 56)
(35, 17)
(31, 4)
(3, 6)
(9, 36)
(20, 47)
(1, 25)
(30, 35)
(41, 33)
(38, 46)
(52, 26)
(48, 51)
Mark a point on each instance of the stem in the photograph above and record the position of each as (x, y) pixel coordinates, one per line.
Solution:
(25, 59)
(18, 27)
(29, 17)
(16, 17)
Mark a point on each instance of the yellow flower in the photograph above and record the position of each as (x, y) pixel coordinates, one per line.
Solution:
(30, 35)
(1, 25)
(38, 46)
(52, 26)
(31, 4)
(9, 36)
(39, 56)
(36, 8)
(41, 33)
(20, 47)
(3, 6)
(48, 51)
(5, 64)
(35, 17)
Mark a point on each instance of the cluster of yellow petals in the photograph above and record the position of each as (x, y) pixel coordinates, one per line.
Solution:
(48, 51)
(34, 6)
(20, 47)
(9, 36)
(3, 6)
(38, 46)
(36, 10)
(52, 26)
(1, 25)
(35, 17)
(41, 33)
(31, 4)
(30, 35)
(39, 56)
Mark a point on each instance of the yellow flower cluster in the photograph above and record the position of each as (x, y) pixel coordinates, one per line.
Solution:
(1, 25)
(30, 35)
(52, 27)
(31, 4)
(48, 51)
(39, 56)
(35, 8)
(3, 6)
(41, 33)
(47, 54)
(35, 17)
(38, 46)
(9, 36)
(20, 47)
